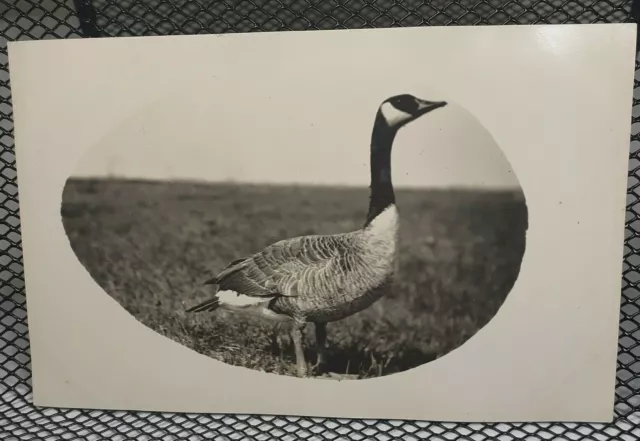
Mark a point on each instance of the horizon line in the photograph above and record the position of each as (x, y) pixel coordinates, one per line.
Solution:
(199, 181)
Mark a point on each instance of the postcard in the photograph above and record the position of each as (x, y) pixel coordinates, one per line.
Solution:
(417, 223)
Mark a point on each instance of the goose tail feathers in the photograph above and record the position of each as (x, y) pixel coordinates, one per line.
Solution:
(208, 305)
(232, 301)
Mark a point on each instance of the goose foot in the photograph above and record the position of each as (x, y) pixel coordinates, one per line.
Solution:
(321, 347)
(297, 336)
(317, 368)
(280, 339)
(277, 345)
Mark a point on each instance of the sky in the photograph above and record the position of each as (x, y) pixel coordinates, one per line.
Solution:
(268, 136)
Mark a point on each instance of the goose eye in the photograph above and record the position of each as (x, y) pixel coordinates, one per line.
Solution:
(405, 104)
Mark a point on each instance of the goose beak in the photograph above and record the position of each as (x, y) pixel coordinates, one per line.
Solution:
(427, 106)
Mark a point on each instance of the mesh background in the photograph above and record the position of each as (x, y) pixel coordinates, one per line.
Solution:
(42, 19)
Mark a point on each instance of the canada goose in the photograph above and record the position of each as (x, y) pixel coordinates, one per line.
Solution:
(324, 278)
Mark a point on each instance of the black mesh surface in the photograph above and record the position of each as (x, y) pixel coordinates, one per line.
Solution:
(41, 19)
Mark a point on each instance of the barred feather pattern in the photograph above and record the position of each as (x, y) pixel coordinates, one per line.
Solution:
(321, 278)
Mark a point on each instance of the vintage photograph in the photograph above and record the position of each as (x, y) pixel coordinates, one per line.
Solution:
(313, 258)
(337, 224)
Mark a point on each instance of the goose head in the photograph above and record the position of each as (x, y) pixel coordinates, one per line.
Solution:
(400, 110)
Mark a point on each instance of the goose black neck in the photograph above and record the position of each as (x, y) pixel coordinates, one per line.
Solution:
(382, 194)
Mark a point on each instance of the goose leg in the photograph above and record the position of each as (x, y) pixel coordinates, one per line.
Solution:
(297, 335)
(276, 343)
(321, 345)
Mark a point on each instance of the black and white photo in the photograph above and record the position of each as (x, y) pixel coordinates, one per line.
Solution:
(351, 224)
(237, 270)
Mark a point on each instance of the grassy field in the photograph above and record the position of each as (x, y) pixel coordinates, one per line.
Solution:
(150, 246)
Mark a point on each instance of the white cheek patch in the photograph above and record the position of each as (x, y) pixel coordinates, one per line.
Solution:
(392, 115)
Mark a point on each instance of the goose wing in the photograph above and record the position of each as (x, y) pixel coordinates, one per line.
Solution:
(280, 268)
